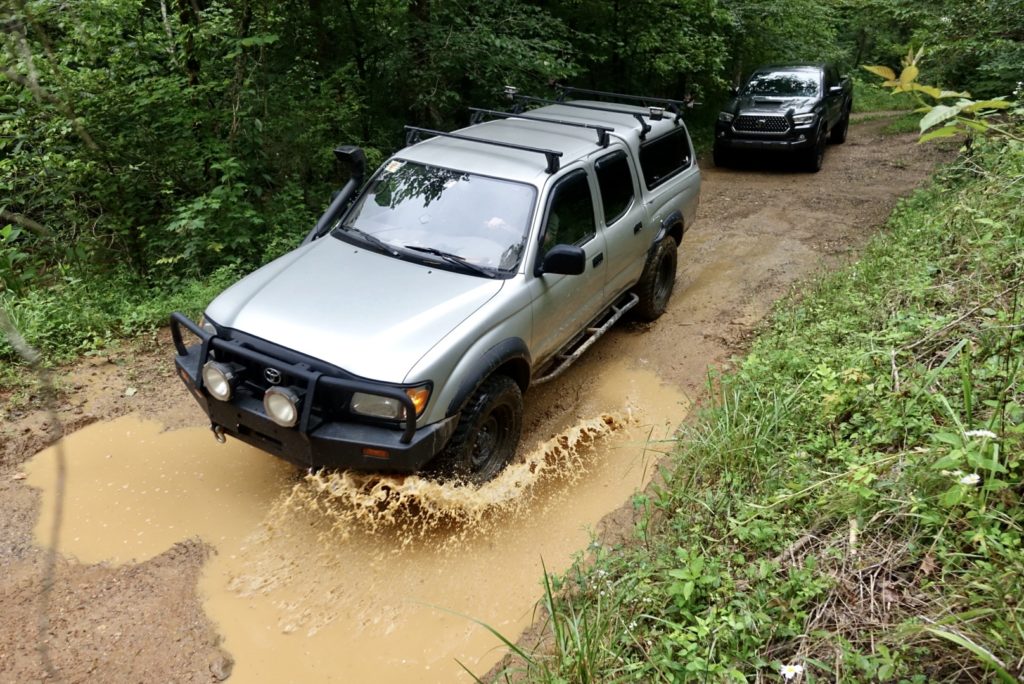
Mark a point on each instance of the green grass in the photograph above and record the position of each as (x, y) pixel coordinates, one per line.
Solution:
(868, 96)
(907, 123)
(815, 514)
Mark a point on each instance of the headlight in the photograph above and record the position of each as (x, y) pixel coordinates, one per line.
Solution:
(376, 406)
(804, 119)
(725, 117)
(219, 380)
(281, 406)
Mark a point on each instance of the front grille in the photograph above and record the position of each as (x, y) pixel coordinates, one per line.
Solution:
(750, 123)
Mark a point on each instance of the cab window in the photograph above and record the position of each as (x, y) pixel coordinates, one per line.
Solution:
(664, 157)
(616, 183)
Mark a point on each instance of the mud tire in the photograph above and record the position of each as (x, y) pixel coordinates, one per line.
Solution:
(814, 157)
(487, 435)
(722, 157)
(838, 135)
(657, 281)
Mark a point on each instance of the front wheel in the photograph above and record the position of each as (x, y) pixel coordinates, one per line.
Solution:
(657, 281)
(487, 434)
(814, 157)
(838, 136)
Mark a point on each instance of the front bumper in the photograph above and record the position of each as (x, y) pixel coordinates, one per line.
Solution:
(798, 138)
(317, 440)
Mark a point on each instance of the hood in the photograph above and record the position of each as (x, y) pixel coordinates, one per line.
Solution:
(771, 105)
(370, 314)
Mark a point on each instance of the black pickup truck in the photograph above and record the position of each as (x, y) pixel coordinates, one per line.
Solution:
(795, 108)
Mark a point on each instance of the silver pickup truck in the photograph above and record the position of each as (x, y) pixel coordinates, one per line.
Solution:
(405, 329)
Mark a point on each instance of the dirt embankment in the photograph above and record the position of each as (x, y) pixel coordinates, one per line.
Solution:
(761, 229)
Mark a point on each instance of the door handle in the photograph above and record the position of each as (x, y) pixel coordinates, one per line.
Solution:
(598, 259)
(637, 228)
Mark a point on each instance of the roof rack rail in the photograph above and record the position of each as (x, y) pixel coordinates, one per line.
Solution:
(674, 106)
(655, 114)
(413, 135)
(602, 131)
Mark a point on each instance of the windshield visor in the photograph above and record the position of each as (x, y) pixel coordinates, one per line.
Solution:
(783, 84)
(412, 206)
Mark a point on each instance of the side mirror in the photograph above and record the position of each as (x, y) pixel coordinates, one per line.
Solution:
(835, 90)
(564, 260)
(734, 91)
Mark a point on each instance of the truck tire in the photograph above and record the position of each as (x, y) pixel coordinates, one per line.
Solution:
(657, 281)
(838, 135)
(487, 435)
(814, 157)
(721, 156)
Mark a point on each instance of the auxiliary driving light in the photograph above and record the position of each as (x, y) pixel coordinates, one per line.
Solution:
(219, 380)
(282, 406)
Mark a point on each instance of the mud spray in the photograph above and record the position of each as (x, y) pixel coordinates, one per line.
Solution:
(350, 577)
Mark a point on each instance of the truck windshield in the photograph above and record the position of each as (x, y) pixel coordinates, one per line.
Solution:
(783, 84)
(420, 210)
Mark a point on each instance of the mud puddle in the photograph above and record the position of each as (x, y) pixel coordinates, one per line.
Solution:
(356, 578)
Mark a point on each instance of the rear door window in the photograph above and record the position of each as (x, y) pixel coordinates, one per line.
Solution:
(664, 157)
(616, 182)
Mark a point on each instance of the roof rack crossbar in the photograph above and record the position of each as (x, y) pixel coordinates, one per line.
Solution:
(644, 126)
(674, 106)
(602, 131)
(413, 135)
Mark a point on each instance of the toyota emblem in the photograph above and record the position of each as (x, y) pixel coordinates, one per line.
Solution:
(760, 123)
(273, 376)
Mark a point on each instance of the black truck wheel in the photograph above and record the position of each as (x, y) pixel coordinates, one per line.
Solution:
(487, 434)
(657, 281)
(838, 135)
(721, 156)
(814, 157)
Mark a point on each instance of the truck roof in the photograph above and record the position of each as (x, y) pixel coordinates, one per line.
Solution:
(530, 167)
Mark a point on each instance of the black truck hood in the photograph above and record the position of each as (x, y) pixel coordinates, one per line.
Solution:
(771, 105)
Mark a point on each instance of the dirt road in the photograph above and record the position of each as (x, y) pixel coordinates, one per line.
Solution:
(185, 561)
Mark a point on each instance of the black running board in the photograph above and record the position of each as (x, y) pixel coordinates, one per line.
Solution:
(561, 362)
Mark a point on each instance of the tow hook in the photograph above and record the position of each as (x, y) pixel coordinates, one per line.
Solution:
(218, 433)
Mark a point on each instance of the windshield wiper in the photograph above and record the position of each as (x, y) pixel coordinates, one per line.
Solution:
(372, 239)
(451, 258)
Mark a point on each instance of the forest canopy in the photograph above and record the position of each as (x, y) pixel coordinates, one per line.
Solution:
(152, 142)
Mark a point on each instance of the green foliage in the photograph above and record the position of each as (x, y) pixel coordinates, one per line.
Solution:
(959, 116)
(851, 503)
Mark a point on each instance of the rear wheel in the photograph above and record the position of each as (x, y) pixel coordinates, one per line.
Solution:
(487, 434)
(657, 281)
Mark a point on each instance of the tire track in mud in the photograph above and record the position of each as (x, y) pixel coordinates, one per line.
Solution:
(760, 229)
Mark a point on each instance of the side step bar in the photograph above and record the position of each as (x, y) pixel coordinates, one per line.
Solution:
(591, 335)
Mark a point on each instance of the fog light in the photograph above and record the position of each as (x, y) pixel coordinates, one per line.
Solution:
(219, 380)
(281, 406)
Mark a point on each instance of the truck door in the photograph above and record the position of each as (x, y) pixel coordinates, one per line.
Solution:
(627, 234)
(564, 304)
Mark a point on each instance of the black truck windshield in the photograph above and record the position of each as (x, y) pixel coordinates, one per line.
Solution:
(428, 209)
(783, 84)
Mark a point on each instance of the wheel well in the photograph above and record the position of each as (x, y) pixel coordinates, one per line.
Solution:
(518, 370)
(676, 231)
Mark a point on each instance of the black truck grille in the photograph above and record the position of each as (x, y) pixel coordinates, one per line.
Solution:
(761, 124)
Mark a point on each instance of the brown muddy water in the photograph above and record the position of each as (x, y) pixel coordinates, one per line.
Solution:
(356, 578)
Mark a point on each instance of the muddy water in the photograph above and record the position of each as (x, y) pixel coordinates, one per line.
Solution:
(352, 578)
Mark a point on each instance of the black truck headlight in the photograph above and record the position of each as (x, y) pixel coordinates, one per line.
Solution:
(377, 406)
(804, 119)
(281, 406)
(725, 117)
(219, 380)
